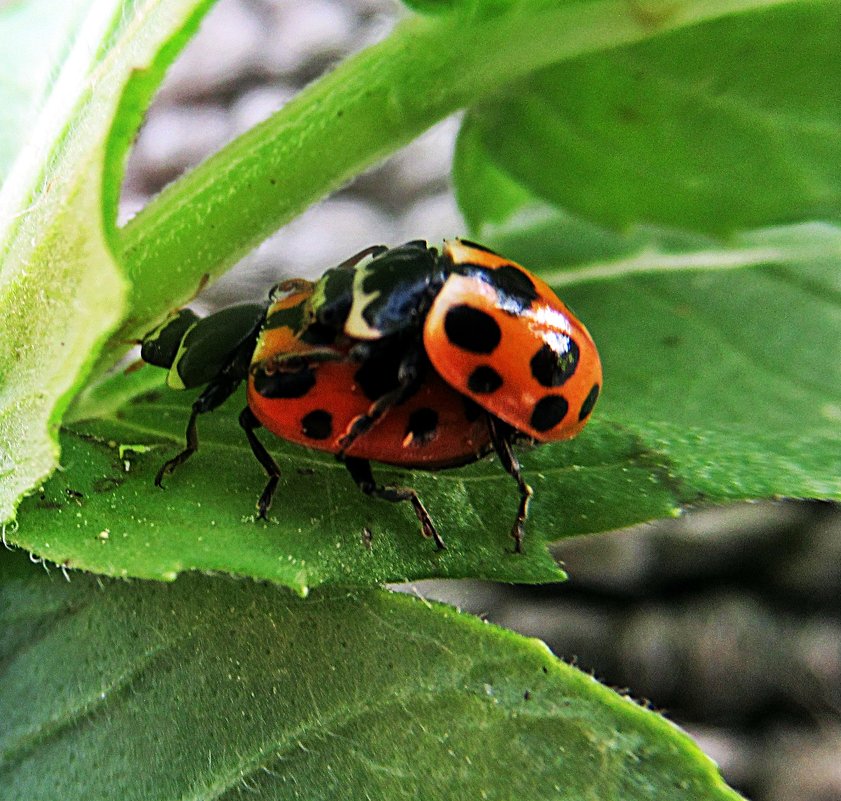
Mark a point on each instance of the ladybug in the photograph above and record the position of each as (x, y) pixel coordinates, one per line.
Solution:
(406, 356)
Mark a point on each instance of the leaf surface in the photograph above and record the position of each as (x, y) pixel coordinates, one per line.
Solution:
(721, 384)
(729, 125)
(36, 37)
(210, 688)
(61, 291)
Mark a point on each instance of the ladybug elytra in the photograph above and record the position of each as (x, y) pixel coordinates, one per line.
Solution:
(404, 356)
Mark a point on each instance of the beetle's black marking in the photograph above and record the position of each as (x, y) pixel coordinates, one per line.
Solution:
(472, 329)
(318, 334)
(477, 246)
(290, 317)
(552, 368)
(548, 412)
(399, 286)
(412, 260)
(318, 424)
(377, 377)
(515, 282)
(286, 383)
(422, 426)
(516, 289)
(336, 290)
(160, 346)
(472, 410)
(484, 380)
(589, 402)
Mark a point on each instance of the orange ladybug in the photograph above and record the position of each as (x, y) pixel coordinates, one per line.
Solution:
(405, 356)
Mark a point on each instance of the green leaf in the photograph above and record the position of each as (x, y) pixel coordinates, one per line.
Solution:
(36, 37)
(720, 384)
(732, 124)
(432, 6)
(724, 361)
(614, 474)
(213, 688)
(61, 292)
(722, 358)
(471, 8)
(370, 105)
(205, 517)
(732, 376)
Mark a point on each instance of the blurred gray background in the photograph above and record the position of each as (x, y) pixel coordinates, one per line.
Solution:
(727, 620)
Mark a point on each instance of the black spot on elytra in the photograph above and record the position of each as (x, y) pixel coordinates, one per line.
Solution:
(548, 412)
(551, 368)
(515, 282)
(422, 425)
(286, 383)
(472, 329)
(516, 289)
(484, 380)
(589, 402)
(378, 377)
(317, 424)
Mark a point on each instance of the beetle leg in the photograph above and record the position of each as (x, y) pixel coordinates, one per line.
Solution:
(249, 422)
(215, 394)
(372, 250)
(501, 437)
(192, 447)
(365, 422)
(360, 471)
(409, 376)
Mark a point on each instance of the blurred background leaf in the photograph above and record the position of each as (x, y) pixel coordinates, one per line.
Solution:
(732, 124)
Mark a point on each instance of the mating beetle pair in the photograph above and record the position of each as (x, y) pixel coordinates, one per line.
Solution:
(405, 356)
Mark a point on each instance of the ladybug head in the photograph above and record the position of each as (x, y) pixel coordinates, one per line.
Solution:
(160, 346)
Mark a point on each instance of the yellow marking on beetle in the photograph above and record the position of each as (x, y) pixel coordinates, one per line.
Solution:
(317, 298)
(155, 333)
(460, 253)
(173, 380)
(355, 325)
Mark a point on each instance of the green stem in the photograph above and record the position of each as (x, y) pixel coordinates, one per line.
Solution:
(367, 108)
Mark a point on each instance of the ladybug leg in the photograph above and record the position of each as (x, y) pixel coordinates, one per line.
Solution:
(215, 394)
(249, 422)
(365, 422)
(409, 375)
(372, 250)
(192, 447)
(360, 471)
(501, 437)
